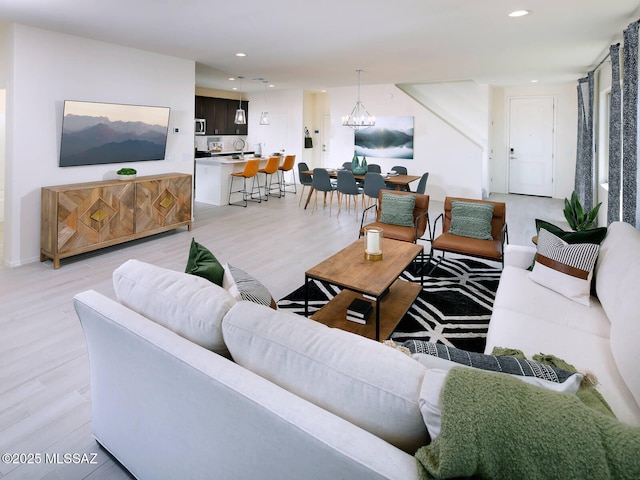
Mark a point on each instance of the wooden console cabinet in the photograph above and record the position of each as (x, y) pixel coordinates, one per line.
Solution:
(82, 217)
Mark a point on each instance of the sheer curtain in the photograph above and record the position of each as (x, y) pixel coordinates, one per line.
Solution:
(585, 159)
(615, 137)
(630, 126)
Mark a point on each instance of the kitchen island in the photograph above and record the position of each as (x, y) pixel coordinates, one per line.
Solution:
(212, 176)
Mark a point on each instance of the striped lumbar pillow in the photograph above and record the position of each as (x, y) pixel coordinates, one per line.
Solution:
(565, 268)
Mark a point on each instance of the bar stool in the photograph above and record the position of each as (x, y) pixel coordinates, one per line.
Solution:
(287, 166)
(269, 170)
(250, 171)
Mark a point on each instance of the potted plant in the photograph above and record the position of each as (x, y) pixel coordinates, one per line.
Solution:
(578, 219)
(126, 173)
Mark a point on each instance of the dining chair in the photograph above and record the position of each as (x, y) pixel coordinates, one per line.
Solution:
(322, 183)
(348, 187)
(422, 184)
(373, 183)
(347, 165)
(306, 180)
(373, 167)
(400, 170)
(250, 171)
(287, 166)
(269, 170)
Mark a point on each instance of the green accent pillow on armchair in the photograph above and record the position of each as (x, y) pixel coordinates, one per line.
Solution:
(471, 219)
(398, 209)
(204, 264)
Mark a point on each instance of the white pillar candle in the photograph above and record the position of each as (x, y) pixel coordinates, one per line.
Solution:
(373, 241)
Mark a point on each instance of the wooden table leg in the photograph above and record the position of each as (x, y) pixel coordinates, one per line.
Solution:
(306, 204)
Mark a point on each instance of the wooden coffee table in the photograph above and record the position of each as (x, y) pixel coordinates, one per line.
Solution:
(378, 279)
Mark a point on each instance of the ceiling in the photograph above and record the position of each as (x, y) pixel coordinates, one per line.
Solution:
(300, 44)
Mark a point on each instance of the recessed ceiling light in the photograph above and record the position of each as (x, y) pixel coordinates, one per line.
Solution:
(240, 54)
(534, 81)
(271, 85)
(519, 13)
(231, 78)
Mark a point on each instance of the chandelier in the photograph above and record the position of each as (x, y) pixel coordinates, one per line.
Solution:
(359, 117)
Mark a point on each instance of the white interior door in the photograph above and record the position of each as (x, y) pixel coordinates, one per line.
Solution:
(531, 145)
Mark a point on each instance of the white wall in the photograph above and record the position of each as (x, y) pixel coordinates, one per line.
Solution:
(454, 162)
(4, 65)
(464, 105)
(285, 131)
(3, 141)
(566, 131)
(48, 68)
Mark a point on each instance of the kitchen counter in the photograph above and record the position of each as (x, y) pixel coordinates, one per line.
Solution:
(205, 154)
(212, 177)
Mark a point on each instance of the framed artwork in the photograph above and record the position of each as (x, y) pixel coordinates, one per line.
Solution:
(390, 137)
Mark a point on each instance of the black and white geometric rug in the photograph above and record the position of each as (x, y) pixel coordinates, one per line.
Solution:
(453, 308)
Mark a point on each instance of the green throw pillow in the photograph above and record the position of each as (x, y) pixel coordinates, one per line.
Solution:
(204, 264)
(471, 219)
(594, 235)
(397, 209)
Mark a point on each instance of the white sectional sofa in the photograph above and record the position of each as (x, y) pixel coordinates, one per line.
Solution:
(176, 406)
(299, 399)
(601, 338)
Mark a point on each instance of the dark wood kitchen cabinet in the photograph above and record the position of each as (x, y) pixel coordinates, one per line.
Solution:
(220, 115)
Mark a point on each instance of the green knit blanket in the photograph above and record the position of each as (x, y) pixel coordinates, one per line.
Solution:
(497, 427)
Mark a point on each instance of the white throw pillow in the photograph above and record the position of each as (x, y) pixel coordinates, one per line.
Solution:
(363, 381)
(431, 400)
(191, 306)
(229, 283)
(565, 268)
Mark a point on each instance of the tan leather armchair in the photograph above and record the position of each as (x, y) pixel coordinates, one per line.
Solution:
(406, 234)
(473, 247)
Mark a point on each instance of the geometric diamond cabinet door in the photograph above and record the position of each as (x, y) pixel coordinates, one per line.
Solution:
(162, 202)
(94, 215)
(83, 217)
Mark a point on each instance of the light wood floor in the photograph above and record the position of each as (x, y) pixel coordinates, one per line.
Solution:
(45, 403)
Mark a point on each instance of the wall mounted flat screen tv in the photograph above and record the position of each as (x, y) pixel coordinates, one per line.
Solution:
(96, 133)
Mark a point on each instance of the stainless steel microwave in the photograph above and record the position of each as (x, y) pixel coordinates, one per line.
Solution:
(200, 126)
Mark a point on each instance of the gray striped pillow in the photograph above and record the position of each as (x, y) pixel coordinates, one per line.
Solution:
(565, 268)
(494, 363)
(251, 289)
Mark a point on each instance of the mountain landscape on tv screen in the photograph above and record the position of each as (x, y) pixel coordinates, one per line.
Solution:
(88, 140)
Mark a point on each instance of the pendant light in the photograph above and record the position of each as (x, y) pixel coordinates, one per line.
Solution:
(359, 117)
(241, 116)
(264, 116)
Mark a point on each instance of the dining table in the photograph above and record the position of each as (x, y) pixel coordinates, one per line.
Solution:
(400, 182)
